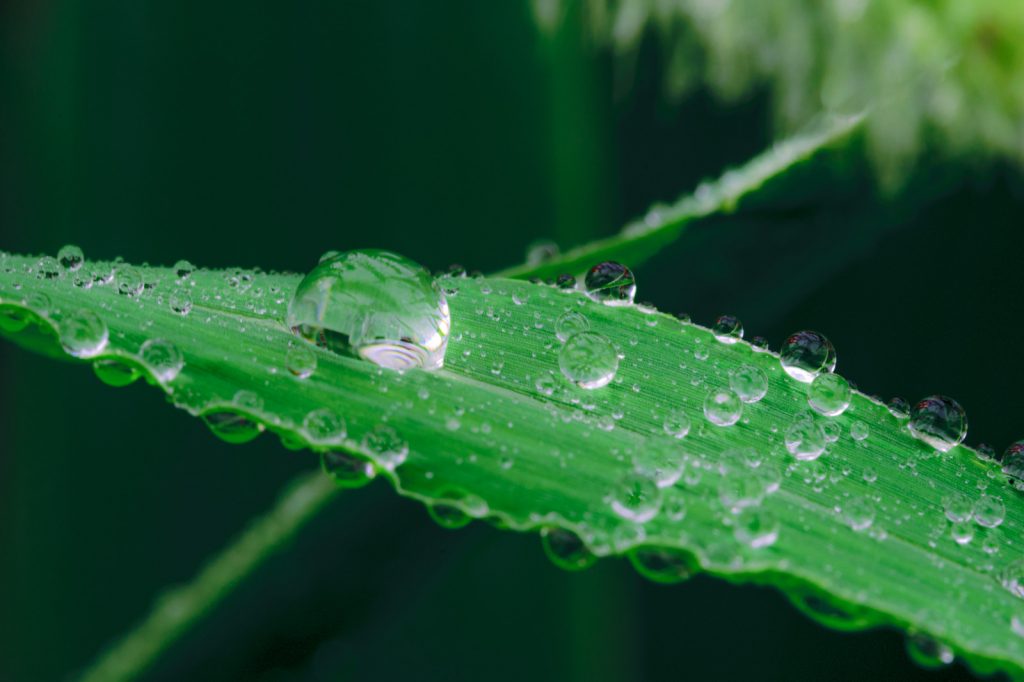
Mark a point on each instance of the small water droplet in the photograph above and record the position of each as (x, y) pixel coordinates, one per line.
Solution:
(899, 408)
(807, 354)
(676, 424)
(740, 490)
(163, 359)
(183, 269)
(565, 549)
(829, 394)
(589, 360)
(347, 470)
(805, 439)
(70, 257)
(756, 528)
(448, 515)
(300, 361)
(323, 425)
(83, 334)
(129, 281)
(662, 564)
(569, 323)
(47, 267)
(962, 532)
(759, 344)
(610, 282)
(565, 281)
(989, 511)
(728, 329)
(723, 407)
(387, 446)
(248, 400)
(749, 383)
(1013, 464)
(859, 513)
(938, 421)
(957, 507)
(663, 463)
(374, 304)
(859, 431)
(115, 372)
(232, 426)
(180, 302)
(928, 652)
(636, 498)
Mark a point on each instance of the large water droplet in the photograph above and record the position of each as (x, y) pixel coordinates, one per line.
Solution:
(1013, 464)
(386, 445)
(722, 407)
(300, 361)
(589, 360)
(323, 425)
(162, 358)
(83, 334)
(129, 281)
(807, 354)
(565, 549)
(636, 498)
(114, 372)
(70, 257)
(612, 283)
(232, 426)
(375, 304)
(939, 421)
(749, 383)
(989, 511)
(829, 394)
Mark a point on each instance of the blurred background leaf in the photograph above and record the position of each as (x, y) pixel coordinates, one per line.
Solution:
(454, 132)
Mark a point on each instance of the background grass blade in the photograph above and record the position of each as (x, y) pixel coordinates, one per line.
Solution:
(499, 434)
(641, 239)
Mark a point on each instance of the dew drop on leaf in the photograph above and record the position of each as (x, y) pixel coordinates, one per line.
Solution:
(611, 283)
(162, 358)
(750, 383)
(232, 426)
(805, 439)
(756, 528)
(805, 355)
(180, 302)
(300, 361)
(727, 329)
(386, 445)
(183, 270)
(589, 360)
(376, 305)
(115, 372)
(636, 498)
(70, 257)
(989, 511)
(565, 549)
(927, 651)
(323, 425)
(83, 334)
(676, 424)
(938, 421)
(829, 394)
(346, 470)
(129, 281)
(662, 564)
(569, 323)
(722, 407)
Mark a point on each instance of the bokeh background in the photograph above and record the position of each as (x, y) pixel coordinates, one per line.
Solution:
(261, 133)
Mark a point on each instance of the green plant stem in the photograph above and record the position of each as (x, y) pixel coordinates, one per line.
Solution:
(179, 608)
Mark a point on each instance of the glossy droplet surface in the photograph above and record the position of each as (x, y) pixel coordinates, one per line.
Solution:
(1013, 464)
(610, 282)
(939, 421)
(162, 358)
(388, 448)
(749, 383)
(376, 305)
(129, 281)
(989, 511)
(70, 257)
(723, 407)
(232, 426)
(180, 302)
(569, 323)
(114, 372)
(829, 394)
(662, 564)
(183, 269)
(589, 360)
(676, 424)
(728, 329)
(565, 549)
(323, 425)
(346, 470)
(805, 440)
(807, 354)
(756, 528)
(83, 334)
(636, 498)
(662, 463)
(300, 361)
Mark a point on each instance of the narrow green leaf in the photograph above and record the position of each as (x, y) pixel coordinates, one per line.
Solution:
(642, 238)
(856, 538)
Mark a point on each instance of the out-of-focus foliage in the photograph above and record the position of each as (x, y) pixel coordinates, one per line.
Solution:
(946, 72)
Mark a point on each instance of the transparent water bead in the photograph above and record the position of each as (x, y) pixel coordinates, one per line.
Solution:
(610, 282)
(70, 257)
(939, 421)
(300, 361)
(183, 270)
(829, 394)
(569, 323)
(662, 564)
(163, 359)
(636, 498)
(989, 511)
(376, 305)
(805, 440)
(589, 360)
(83, 334)
(927, 651)
(565, 549)
(756, 528)
(1013, 464)
(346, 470)
(114, 372)
(807, 354)
(723, 407)
(663, 463)
(749, 383)
(728, 329)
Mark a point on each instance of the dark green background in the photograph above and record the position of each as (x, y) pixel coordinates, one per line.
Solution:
(263, 134)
